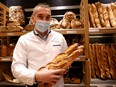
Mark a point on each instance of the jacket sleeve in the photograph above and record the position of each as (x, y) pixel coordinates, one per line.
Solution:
(19, 65)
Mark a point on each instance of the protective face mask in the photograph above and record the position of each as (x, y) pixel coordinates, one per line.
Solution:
(42, 26)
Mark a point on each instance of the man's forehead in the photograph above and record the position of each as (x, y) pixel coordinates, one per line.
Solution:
(43, 9)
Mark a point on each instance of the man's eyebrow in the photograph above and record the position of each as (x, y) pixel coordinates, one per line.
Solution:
(42, 15)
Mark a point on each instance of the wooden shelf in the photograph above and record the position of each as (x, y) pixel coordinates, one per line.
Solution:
(6, 59)
(9, 59)
(70, 31)
(11, 84)
(75, 85)
(63, 31)
(110, 30)
(81, 59)
(12, 33)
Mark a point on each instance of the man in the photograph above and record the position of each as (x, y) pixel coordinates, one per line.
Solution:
(36, 49)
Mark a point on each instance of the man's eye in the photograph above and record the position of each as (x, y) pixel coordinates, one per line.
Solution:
(40, 17)
(48, 18)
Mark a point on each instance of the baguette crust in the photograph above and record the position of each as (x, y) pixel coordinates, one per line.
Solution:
(64, 60)
(71, 48)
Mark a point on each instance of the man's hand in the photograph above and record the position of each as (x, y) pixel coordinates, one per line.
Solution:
(48, 76)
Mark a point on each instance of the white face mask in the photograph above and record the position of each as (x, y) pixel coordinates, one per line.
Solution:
(42, 26)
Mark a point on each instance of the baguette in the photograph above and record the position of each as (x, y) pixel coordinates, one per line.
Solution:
(64, 60)
(111, 16)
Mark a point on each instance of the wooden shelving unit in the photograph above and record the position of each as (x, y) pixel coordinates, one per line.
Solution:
(3, 14)
(83, 7)
(110, 30)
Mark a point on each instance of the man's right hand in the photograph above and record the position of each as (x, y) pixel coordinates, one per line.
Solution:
(48, 76)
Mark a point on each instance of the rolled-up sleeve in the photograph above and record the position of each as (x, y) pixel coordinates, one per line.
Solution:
(19, 65)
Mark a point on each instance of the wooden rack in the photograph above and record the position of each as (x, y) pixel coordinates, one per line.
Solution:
(83, 7)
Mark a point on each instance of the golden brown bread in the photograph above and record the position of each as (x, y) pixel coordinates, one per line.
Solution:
(92, 21)
(65, 24)
(75, 80)
(71, 48)
(29, 27)
(103, 14)
(76, 23)
(96, 18)
(64, 60)
(111, 16)
(69, 15)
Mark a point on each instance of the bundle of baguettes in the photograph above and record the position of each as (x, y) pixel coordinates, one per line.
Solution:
(94, 17)
(102, 15)
(64, 60)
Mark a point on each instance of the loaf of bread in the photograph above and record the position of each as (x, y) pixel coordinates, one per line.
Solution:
(96, 18)
(16, 15)
(92, 56)
(92, 21)
(4, 49)
(14, 28)
(64, 60)
(112, 62)
(69, 15)
(111, 16)
(65, 24)
(54, 24)
(103, 14)
(53, 21)
(113, 6)
(104, 69)
(76, 23)
(75, 80)
(29, 27)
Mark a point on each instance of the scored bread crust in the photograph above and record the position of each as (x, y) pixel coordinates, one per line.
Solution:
(64, 60)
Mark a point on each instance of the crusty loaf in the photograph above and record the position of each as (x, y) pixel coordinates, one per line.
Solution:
(111, 16)
(64, 60)
(69, 15)
(65, 24)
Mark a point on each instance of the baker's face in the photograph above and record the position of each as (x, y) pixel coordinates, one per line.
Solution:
(42, 14)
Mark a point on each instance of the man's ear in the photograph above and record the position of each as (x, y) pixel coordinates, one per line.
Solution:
(32, 20)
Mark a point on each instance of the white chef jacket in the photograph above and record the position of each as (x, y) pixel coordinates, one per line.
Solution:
(31, 53)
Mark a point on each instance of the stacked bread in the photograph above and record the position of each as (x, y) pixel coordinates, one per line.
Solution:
(54, 24)
(16, 19)
(64, 60)
(102, 15)
(5, 48)
(103, 61)
(16, 15)
(70, 21)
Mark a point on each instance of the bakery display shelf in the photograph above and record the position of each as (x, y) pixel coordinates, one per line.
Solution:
(110, 30)
(75, 85)
(57, 8)
(9, 59)
(84, 31)
(11, 84)
(81, 59)
(6, 59)
(1, 17)
(1, 12)
(12, 34)
(100, 81)
(70, 31)
(63, 31)
(95, 83)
